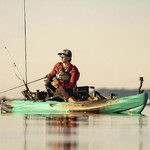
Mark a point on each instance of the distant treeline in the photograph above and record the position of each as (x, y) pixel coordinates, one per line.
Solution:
(3, 98)
(120, 92)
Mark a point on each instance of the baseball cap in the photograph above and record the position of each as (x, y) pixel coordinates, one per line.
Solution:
(66, 52)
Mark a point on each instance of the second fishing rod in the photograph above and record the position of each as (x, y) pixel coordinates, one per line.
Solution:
(20, 77)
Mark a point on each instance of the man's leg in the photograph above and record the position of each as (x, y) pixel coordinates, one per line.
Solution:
(50, 89)
(65, 94)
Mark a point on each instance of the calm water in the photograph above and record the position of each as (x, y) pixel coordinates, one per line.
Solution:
(75, 132)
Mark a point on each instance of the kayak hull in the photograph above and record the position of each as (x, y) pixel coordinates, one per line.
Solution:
(129, 104)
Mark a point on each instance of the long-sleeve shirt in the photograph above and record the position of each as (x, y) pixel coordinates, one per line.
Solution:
(73, 71)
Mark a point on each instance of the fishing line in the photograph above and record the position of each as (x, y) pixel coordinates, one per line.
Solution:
(17, 76)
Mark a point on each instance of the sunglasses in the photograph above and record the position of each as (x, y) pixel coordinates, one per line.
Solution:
(62, 55)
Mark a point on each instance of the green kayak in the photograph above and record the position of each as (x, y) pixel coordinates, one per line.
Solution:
(129, 104)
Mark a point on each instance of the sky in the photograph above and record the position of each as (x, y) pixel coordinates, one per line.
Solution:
(109, 40)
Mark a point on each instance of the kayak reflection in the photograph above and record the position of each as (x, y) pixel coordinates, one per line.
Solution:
(55, 132)
(64, 129)
(84, 131)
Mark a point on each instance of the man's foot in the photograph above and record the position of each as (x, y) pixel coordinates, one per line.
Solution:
(92, 99)
(95, 98)
(89, 98)
(71, 100)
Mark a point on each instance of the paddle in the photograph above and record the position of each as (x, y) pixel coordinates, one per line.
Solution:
(22, 85)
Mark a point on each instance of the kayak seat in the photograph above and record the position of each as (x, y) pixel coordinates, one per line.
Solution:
(81, 92)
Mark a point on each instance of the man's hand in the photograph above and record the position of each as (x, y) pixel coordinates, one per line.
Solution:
(55, 83)
(47, 76)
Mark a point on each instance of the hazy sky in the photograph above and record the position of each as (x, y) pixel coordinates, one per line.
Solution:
(109, 39)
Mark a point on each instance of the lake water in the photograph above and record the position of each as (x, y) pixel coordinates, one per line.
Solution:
(75, 132)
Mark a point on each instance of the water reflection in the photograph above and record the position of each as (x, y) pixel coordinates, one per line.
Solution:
(63, 128)
(84, 131)
(60, 131)
(75, 132)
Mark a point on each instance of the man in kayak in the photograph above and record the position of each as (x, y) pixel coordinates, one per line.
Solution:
(63, 78)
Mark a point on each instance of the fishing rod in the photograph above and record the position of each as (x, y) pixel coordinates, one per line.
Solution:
(25, 41)
(25, 44)
(20, 77)
(14, 64)
(25, 83)
(22, 85)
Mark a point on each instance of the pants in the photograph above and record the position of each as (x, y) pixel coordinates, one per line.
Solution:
(60, 93)
(63, 93)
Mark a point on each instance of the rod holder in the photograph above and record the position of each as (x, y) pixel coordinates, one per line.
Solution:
(141, 82)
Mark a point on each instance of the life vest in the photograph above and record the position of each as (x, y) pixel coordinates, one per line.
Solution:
(63, 75)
